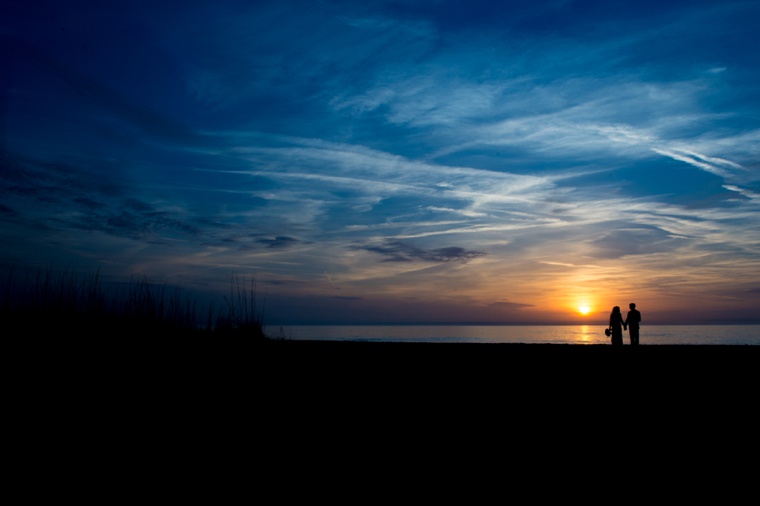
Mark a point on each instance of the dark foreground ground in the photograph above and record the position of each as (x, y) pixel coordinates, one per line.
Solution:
(286, 360)
(618, 366)
(246, 369)
(497, 362)
(341, 346)
(617, 390)
(302, 399)
(508, 352)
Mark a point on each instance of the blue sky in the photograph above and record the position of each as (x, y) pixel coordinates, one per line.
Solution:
(389, 161)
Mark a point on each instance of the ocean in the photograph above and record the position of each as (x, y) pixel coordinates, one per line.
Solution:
(536, 334)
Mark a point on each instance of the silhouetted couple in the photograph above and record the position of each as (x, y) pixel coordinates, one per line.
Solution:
(631, 323)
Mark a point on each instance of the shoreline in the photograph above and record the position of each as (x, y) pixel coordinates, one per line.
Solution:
(572, 368)
(492, 354)
(494, 363)
(519, 334)
(360, 343)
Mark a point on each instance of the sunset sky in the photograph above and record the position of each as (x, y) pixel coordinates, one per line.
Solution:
(392, 161)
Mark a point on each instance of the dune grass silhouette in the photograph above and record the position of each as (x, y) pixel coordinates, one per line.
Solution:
(56, 302)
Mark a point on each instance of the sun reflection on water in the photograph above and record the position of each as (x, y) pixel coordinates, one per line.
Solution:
(586, 334)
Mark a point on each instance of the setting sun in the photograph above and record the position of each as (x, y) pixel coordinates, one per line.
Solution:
(584, 309)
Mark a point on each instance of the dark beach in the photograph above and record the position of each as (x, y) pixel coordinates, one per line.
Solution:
(503, 350)
(362, 357)
(290, 388)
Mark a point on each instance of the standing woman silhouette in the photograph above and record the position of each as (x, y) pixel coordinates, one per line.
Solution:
(616, 325)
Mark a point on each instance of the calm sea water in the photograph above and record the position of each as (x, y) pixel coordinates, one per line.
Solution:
(557, 334)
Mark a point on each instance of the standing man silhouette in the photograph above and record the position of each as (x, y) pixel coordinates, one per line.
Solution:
(632, 322)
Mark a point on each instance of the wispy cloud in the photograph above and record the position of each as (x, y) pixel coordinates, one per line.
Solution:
(693, 160)
(752, 196)
(390, 152)
(398, 251)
